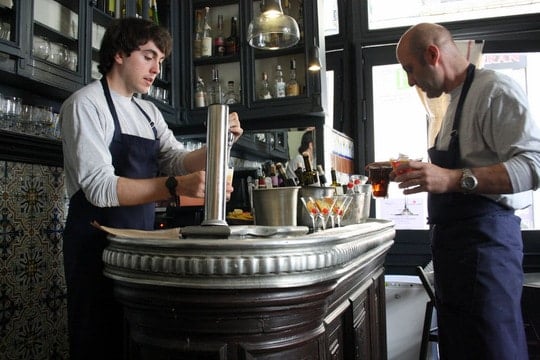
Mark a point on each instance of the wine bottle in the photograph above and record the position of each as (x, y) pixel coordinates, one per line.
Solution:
(232, 43)
(322, 176)
(287, 181)
(309, 176)
(335, 184)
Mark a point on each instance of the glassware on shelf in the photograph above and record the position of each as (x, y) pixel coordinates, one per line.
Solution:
(264, 89)
(13, 107)
(41, 48)
(279, 83)
(215, 91)
(206, 40)
(312, 209)
(201, 96)
(230, 96)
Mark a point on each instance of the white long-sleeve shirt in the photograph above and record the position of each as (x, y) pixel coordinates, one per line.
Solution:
(87, 131)
(497, 126)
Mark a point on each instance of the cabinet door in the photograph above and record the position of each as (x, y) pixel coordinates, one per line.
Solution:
(10, 29)
(246, 66)
(55, 44)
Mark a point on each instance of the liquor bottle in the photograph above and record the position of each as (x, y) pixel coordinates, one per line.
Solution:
(286, 7)
(111, 8)
(273, 175)
(322, 176)
(299, 175)
(230, 96)
(292, 88)
(206, 48)
(197, 39)
(219, 40)
(201, 97)
(279, 83)
(215, 92)
(286, 180)
(309, 176)
(232, 43)
(264, 90)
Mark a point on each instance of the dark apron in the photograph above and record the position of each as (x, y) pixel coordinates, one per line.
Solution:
(477, 255)
(95, 319)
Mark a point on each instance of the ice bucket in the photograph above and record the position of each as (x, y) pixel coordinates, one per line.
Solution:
(358, 210)
(276, 206)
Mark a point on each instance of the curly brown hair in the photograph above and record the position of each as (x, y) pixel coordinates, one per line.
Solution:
(126, 35)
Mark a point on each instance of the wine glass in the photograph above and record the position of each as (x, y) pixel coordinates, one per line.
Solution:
(312, 209)
(341, 205)
(400, 166)
(325, 205)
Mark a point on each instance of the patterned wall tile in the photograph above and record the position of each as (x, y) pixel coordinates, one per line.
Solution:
(33, 207)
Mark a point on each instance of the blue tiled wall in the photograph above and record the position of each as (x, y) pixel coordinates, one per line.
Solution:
(33, 314)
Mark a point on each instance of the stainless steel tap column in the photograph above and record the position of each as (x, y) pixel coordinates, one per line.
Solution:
(217, 128)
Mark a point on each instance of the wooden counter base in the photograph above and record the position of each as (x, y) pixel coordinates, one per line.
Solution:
(194, 300)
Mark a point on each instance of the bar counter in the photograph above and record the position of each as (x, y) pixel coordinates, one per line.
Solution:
(287, 296)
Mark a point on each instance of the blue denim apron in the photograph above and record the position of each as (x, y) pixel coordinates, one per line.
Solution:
(95, 319)
(477, 256)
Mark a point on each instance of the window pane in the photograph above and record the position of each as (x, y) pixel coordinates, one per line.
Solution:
(400, 126)
(384, 14)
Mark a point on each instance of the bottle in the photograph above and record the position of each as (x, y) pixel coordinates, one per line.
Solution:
(292, 88)
(286, 7)
(230, 96)
(215, 92)
(273, 175)
(309, 176)
(286, 180)
(232, 43)
(200, 94)
(111, 7)
(300, 19)
(197, 38)
(279, 84)
(206, 48)
(335, 184)
(299, 175)
(219, 40)
(322, 176)
(264, 90)
(154, 12)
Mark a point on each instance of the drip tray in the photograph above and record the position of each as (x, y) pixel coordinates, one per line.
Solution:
(221, 231)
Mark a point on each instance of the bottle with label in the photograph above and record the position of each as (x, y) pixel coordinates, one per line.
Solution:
(309, 176)
(206, 48)
(279, 83)
(201, 99)
(215, 92)
(197, 38)
(230, 96)
(264, 89)
(231, 43)
(335, 184)
(219, 39)
(292, 88)
(285, 179)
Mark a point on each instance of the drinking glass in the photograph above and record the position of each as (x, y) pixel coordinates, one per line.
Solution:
(312, 209)
(400, 166)
(341, 205)
(325, 205)
(12, 111)
(379, 175)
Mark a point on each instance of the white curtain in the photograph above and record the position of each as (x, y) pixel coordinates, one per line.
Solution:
(435, 108)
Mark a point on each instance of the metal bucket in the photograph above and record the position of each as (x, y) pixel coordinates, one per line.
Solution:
(315, 192)
(276, 206)
(358, 210)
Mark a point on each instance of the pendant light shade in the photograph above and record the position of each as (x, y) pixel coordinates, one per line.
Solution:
(272, 29)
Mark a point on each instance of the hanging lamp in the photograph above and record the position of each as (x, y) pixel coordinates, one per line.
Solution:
(272, 29)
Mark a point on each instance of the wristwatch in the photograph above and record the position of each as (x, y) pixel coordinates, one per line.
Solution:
(468, 181)
(171, 184)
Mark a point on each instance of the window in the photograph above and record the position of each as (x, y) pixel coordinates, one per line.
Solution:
(384, 14)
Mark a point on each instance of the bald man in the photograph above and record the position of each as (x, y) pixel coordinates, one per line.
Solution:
(485, 161)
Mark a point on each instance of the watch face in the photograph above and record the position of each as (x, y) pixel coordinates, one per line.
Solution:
(469, 183)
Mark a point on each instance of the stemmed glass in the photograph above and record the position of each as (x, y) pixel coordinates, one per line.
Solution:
(325, 205)
(312, 209)
(400, 169)
(341, 205)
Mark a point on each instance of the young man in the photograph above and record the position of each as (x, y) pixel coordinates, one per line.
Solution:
(114, 146)
(485, 159)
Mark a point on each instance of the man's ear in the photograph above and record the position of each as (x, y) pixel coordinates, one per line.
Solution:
(432, 54)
